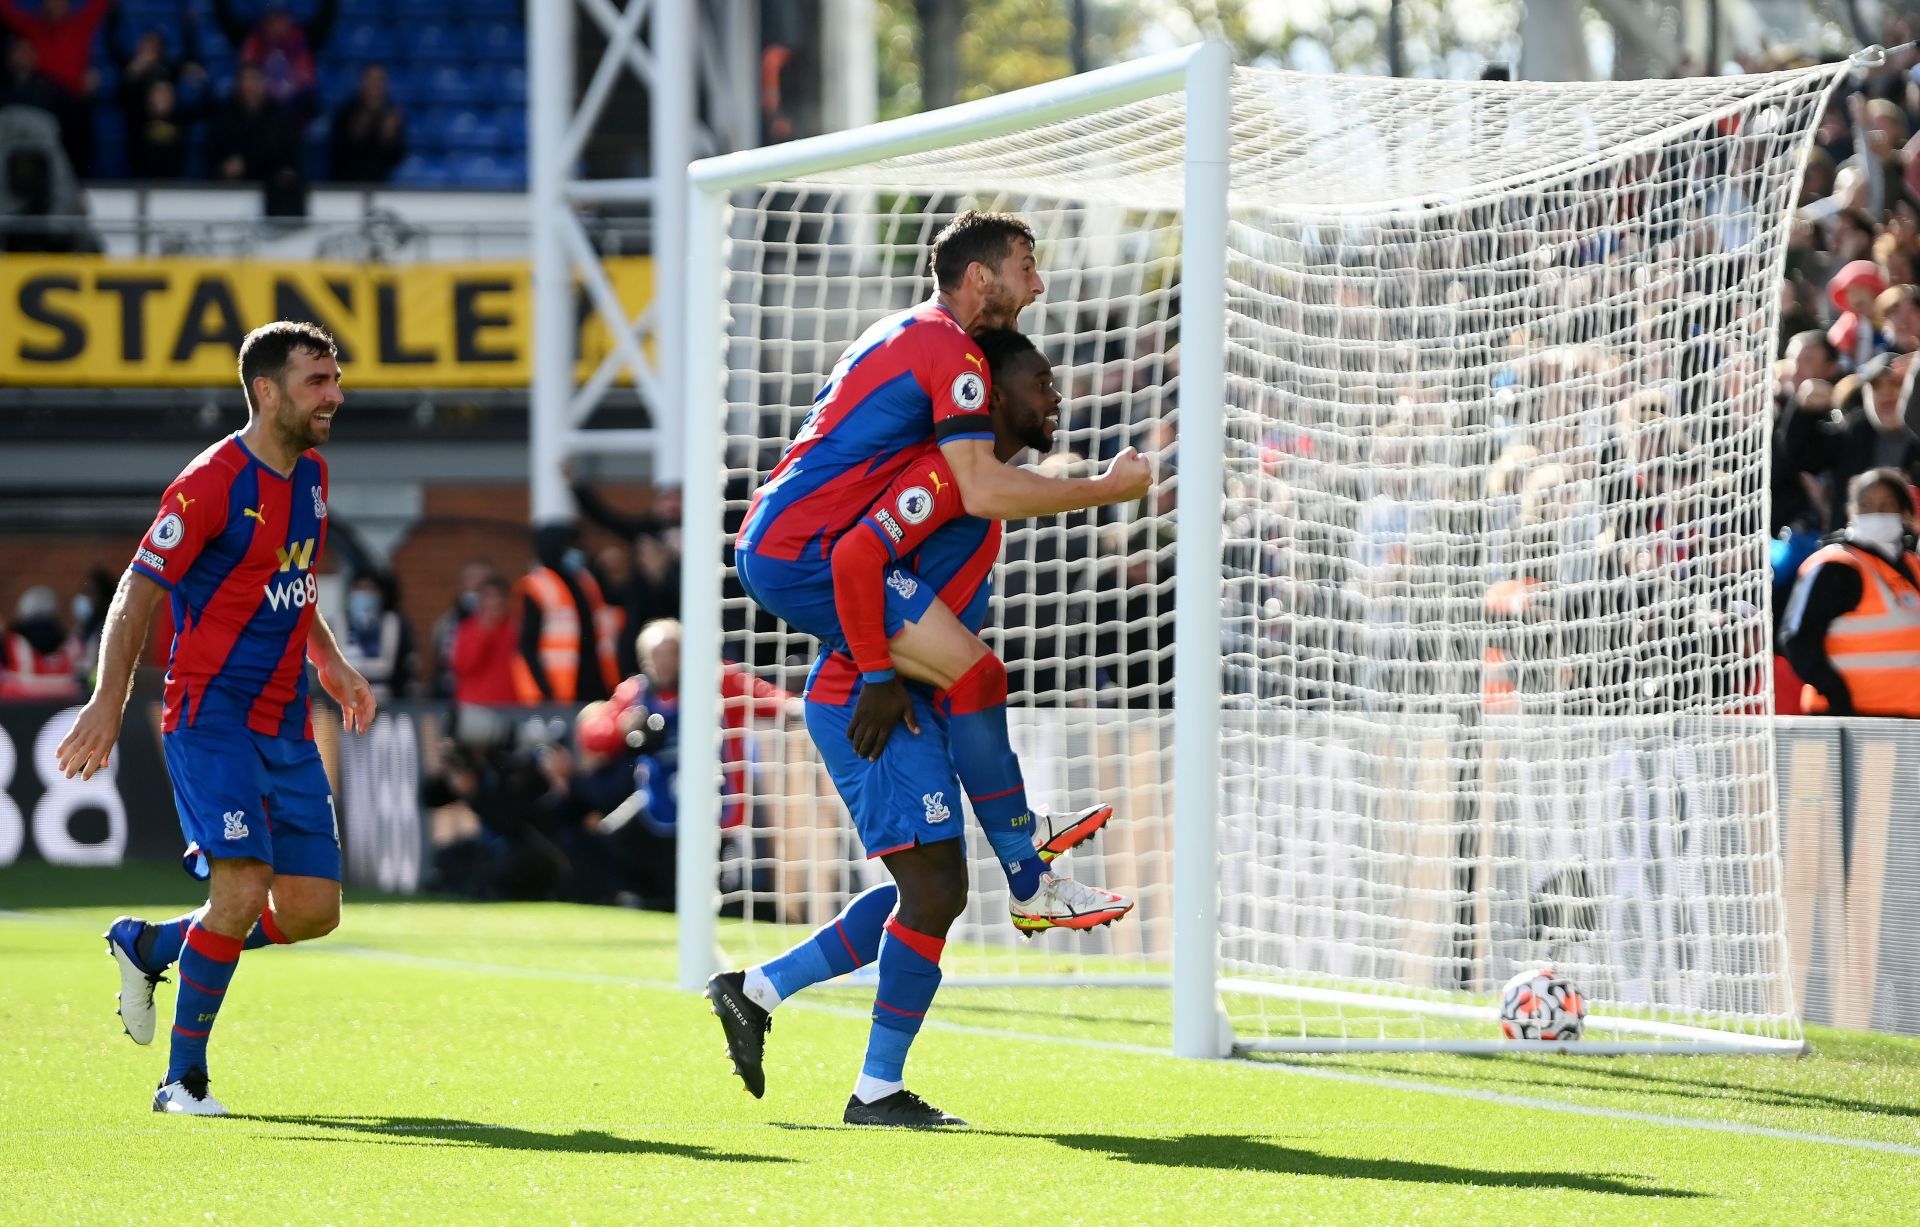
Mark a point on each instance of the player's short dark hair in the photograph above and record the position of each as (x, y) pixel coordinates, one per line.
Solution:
(266, 349)
(1892, 479)
(1001, 346)
(975, 237)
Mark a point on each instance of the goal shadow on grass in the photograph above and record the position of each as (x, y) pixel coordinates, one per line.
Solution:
(440, 1131)
(1691, 1089)
(1241, 1152)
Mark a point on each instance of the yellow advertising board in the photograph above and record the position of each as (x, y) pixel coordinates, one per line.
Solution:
(89, 321)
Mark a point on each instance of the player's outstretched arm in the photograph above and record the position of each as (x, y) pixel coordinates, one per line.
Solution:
(1000, 491)
(87, 745)
(340, 679)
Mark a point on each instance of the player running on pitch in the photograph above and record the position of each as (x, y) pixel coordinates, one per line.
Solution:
(236, 545)
(889, 570)
(913, 379)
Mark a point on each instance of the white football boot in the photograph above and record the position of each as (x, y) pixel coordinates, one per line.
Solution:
(136, 984)
(1054, 834)
(188, 1096)
(1062, 903)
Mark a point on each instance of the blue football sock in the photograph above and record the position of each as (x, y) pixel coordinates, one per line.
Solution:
(207, 960)
(909, 977)
(158, 946)
(849, 940)
(982, 756)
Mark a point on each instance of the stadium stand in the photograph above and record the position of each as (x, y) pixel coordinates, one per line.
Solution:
(458, 73)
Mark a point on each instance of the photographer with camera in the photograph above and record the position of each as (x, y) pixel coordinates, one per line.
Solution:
(643, 719)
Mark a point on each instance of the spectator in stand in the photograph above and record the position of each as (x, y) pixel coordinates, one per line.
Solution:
(23, 84)
(40, 660)
(654, 538)
(1866, 431)
(567, 629)
(61, 35)
(158, 125)
(378, 641)
(369, 132)
(1853, 627)
(1853, 291)
(447, 625)
(159, 97)
(282, 49)
(485, 644)
(89, 609)
(251, 137)
(1899, 310)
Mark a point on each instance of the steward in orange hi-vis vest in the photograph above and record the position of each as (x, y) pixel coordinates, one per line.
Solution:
(1852, 629)
(556, 644)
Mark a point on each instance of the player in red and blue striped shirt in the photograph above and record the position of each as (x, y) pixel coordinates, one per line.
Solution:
(235, 546)
(915, 548)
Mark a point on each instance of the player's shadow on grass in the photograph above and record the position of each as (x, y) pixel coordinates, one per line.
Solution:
(1237, 1152)
(436, 1131)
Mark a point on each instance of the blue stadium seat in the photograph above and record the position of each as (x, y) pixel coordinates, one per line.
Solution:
(477, 170)
(470, 133)
(500, 41)
(434, 42)
(364, 10)
(508, 84)
(362, 41)
(428, 128)
(452, 85)
(512, 11)
(409, 87)
(512, 122)
(412, 11)
(420, 170)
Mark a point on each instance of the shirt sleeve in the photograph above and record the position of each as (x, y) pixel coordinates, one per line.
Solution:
(955, 377)
(192, 512)
(921, 499)
(924, 496)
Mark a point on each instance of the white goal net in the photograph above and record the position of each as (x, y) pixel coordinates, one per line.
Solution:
(1490, 540)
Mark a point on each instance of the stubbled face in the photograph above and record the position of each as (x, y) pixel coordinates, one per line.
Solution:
(1026, 405)
(1011, 286)
(300, 405)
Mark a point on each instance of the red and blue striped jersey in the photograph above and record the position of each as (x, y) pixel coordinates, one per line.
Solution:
(920, 522)
(913, 378)
(237, 545)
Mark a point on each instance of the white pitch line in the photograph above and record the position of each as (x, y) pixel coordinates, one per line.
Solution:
(1500, 1098)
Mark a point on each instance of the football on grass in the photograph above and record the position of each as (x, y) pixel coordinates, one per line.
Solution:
(1540, 1004)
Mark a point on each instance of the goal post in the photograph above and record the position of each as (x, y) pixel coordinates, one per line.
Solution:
(1439, 649)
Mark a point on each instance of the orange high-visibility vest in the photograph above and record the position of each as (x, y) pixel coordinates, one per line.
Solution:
(559, 645)
(1876, 647)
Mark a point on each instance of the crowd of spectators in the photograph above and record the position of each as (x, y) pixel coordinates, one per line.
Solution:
(274, 94)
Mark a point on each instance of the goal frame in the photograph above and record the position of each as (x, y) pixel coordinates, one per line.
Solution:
(1202, 76)
(1203, 73)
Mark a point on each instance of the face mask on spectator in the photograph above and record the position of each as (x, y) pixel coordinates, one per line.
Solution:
(1884, 529)
(82, 610)
(573, 560)
(363, 607)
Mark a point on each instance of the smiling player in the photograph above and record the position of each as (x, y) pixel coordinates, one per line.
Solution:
(236, 545)
(915, 551)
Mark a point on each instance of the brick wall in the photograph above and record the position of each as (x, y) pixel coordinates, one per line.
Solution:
(460, 523)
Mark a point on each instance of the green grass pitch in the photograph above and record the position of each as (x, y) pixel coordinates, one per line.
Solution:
(438, 1063)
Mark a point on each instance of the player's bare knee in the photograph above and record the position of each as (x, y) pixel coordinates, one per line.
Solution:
(307, 926)
(236, 896)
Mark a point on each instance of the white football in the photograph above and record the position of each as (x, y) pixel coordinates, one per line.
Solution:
(1540, 1004)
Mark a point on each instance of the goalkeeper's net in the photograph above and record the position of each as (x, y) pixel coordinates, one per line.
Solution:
(1471, 478)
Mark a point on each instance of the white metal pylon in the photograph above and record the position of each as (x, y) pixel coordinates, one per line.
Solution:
(672, 47)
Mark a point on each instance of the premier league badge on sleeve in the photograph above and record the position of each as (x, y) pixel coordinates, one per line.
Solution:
(169, 532)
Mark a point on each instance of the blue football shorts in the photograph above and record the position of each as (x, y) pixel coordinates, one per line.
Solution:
(246, 794)
(800, 593)
(908, 795)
